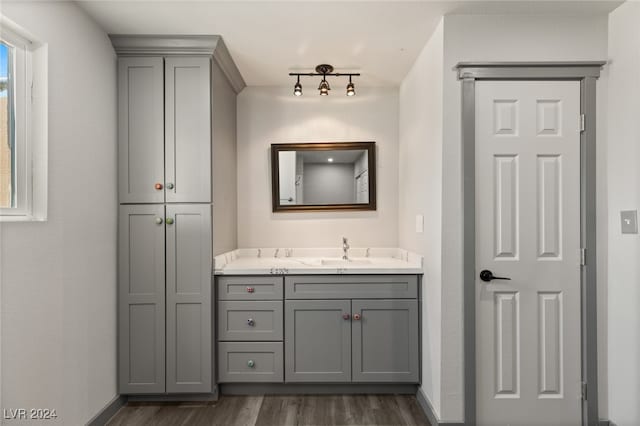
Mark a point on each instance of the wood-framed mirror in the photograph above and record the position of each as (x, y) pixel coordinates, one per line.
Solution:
(323, 176)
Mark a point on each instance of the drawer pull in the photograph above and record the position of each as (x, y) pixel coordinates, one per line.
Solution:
(251, 363)
(356, 317)
(250, 289)
(251, 322)
(346, 316)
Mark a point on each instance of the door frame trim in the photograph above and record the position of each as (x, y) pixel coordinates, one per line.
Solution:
(586, 73)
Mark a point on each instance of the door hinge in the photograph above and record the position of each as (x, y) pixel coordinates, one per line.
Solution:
(582, 122)
(583, 387)
(583, 257)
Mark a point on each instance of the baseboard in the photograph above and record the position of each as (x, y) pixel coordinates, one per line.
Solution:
(196, 397)
(604, 422)
(108, 411)
(314, 389)
(428, 410)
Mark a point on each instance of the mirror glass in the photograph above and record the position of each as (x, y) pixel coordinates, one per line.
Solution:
(324, 176)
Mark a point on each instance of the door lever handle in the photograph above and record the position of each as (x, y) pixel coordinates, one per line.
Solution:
(487, 276)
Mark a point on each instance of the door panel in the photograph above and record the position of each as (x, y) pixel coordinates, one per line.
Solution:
(141, 300)
(140, 130)
(188, 130)
(528, 229)
(385, 341)
(189, 298)
(317, 341)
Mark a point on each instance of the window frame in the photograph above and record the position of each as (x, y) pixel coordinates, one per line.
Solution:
(29, 126)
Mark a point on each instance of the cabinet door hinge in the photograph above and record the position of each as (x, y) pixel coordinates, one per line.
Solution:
(583, 387)
(583, 257)
(582, 122)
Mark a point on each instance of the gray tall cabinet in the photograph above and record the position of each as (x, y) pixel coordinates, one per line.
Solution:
(176, 118)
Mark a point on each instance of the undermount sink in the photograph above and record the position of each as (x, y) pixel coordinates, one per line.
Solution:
(343, 262)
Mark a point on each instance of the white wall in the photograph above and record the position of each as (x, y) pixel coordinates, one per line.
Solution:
(269, 115)
(499, 38)
(58, 278)
(420, 183)
(624, 194)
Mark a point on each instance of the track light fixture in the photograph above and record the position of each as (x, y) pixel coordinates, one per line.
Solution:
(297, 89)
(324, 70)
(351, 90)
(324, 87)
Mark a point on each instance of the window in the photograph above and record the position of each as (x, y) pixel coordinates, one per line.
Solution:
(7, 127)
(22, 126)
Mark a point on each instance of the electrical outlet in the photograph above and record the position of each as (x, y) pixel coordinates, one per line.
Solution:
(419, 223)
(629, 221)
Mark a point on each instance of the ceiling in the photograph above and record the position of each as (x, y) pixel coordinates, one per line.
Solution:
(269, 39)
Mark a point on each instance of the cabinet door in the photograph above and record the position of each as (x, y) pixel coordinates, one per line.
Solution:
(189, 298)
(140, 130)
(385, 341)
(188, 130)
(141, 299)
(317, 341)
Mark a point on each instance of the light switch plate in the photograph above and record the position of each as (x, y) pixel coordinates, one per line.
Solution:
(419, 223)
(629, 221)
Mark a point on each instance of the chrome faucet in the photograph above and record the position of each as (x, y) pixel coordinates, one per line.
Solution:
(276, 253)
(345, 248)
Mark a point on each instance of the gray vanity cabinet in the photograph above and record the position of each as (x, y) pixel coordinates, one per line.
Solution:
(154, 239)
(385, 341)
(164, 129)
(317, 341)
(337, 329)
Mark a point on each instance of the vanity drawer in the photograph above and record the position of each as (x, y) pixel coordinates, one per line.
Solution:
(250, 362)
(250, 288)
(351, 287)
(250, 320)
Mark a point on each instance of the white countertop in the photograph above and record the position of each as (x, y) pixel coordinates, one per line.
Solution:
(298, 261)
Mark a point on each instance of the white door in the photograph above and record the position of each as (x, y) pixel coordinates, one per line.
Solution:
(528, 229)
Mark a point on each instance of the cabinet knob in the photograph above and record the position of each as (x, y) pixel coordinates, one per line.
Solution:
(346, 316)
(250, 289)
(251, 322)
(169, 185)
(356, 317)
(251, 363)
(169, 221)
(158, 221)
(158, 186)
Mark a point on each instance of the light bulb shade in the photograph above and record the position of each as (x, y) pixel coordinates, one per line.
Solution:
(297, 89)
(351, 90)
(324, 88)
